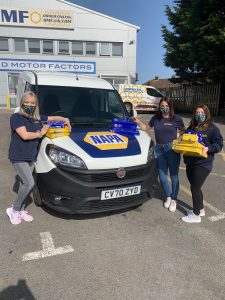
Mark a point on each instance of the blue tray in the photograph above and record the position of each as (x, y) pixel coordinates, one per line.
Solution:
(54, 124)
(125, 126)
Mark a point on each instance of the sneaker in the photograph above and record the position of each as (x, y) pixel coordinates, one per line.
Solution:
(202, 212)
(167, 202)
(13, 216)
(191, 218)
(24, 215)
(173, 206)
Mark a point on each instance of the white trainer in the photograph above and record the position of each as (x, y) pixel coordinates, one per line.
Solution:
(167, 202)
(191, 218)
(202, 212)
(173, 206)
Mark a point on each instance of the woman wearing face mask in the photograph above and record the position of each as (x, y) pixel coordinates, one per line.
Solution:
(167, 127)
(27, 131)
(198, 168)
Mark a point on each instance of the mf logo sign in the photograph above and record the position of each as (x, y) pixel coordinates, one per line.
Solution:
(36, 18)
(15, 16)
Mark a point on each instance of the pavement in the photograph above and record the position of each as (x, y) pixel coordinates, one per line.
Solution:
(139, 254)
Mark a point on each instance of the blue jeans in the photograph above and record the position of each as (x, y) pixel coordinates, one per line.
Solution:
(168, 159)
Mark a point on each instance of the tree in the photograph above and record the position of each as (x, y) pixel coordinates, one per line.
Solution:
(195, 47)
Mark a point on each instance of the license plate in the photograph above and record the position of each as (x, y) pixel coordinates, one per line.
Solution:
(123, 192)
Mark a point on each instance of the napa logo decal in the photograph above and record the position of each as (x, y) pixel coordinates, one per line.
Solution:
(106, 140)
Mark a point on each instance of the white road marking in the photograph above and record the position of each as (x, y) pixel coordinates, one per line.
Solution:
(220, 215)
(48, 248)
(222, 154)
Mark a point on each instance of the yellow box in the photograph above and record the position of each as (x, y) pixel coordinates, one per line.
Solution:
(189, 137)
(53, 133)
(188, 148)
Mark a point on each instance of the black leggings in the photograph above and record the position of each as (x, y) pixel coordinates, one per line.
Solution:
(197, 176)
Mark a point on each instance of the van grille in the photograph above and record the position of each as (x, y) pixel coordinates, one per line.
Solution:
(113, 204)
(110, 176)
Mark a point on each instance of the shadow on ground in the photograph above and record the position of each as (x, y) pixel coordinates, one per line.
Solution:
(17, 292)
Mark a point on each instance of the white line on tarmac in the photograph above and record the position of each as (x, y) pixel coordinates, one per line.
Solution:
(220, 215)
(48, 248)
(222, 154)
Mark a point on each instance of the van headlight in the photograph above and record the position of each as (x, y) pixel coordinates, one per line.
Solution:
(62, 157)
(151, 151)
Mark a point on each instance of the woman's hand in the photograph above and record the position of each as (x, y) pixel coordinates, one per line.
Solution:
(205, 150)
(67, 122)
(44, 129)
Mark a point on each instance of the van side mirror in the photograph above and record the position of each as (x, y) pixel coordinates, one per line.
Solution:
(133, 113)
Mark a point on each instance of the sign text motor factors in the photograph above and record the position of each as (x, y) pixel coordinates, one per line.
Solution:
(7, 64)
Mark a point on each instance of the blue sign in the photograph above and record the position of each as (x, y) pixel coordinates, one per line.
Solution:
(81, 67)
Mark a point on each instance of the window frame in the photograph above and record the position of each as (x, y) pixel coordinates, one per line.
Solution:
(95, 44)
(39, 46)
(113, 43)
(83, 50)
(7, 40)
(48, 53)
(64, 53)
(109, 49)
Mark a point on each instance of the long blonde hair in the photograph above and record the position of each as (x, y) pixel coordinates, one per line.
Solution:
(36, 114)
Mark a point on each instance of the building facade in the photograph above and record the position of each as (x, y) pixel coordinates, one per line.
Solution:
(57, 35)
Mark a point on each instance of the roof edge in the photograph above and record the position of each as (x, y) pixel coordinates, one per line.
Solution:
(100, 14)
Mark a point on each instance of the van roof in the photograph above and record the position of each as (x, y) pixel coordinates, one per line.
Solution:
(66, 79)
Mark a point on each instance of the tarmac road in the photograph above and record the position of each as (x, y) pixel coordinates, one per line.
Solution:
(145, 253)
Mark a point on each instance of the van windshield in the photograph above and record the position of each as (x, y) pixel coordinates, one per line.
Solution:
(81, 105)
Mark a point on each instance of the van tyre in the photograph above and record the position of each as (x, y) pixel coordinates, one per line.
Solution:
(37, 196)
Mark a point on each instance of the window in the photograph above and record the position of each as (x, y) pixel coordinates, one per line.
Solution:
(19, 45)
(77, 48)
(48, 47)
(34, 46)
(63, 47)
(153, 93)
(116, 81)
(105, 49)
(4, 46)
(90, 48)
(117, 49)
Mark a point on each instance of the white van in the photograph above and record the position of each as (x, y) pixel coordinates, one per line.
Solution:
(140, 97)
(94, 169)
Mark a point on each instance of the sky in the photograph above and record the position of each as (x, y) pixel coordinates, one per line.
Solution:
(149, 15)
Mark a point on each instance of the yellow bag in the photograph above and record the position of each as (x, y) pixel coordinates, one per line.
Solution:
(55, 132)
(189, 146)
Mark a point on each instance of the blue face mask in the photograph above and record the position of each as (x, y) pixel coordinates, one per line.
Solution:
(165, 110)
(200, 117)
(29, 109)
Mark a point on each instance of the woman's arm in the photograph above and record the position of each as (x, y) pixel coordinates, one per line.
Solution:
(26, 135)
(141, 124)
(58, 118)
(216, 141)
(180, 132)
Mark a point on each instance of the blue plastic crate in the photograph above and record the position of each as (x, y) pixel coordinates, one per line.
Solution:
(125, 126)
(55, 124)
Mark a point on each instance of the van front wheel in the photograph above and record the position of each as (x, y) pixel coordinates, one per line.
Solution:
(37, 196)
(128, 107)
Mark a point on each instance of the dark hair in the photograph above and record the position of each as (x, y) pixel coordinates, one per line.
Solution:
(171, 108)
(208, 118)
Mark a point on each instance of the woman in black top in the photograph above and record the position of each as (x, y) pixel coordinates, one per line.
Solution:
(198, 168)
(27, 131)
